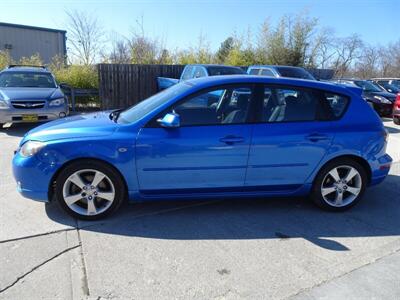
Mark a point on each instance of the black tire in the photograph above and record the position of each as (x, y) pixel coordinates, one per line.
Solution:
(111, 173)
(396, 121)
(316, 194)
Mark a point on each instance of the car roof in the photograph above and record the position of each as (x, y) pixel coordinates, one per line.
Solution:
(31, 69)
(209, 81)
(213, 65)
(274, 66)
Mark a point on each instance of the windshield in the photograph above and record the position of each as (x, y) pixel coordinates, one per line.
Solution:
(294, 73)
(139, 110)
(27, 79)
(367, 86)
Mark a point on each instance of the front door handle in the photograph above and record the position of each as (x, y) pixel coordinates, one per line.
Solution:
(232, 139)
(315, 137)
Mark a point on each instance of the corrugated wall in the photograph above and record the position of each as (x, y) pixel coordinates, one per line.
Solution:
(26, 42)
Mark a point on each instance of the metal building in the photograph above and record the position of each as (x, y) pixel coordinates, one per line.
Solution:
(24, 41)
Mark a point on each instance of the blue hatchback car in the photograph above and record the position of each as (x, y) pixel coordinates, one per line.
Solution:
(222, 136)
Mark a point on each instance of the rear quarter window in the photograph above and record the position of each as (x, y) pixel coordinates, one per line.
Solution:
(335, 104)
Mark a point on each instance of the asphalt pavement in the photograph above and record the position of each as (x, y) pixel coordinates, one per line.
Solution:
(226, 249)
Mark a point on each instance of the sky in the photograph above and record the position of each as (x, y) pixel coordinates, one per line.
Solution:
(179, 23)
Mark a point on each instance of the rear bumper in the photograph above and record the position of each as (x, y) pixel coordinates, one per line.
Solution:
(13, 115)
(380, 169)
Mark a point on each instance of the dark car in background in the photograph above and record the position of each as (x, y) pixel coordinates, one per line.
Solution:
(198, 71)
(30, 94)
(391, 81)
(380, 100)
(280, 71)
(386, 86)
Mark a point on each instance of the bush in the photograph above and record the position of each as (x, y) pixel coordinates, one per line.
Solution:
(83, 77)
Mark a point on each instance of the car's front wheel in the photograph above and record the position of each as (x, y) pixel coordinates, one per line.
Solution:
(89, 190)
(339, 185)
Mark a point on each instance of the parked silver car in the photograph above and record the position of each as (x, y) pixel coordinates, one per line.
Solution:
(30, 94)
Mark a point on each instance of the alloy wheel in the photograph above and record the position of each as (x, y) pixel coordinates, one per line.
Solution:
(341, 186)
(88, 192)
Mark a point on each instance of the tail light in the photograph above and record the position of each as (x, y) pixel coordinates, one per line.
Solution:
(397, 102)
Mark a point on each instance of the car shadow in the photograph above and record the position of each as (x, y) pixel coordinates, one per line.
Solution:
(18, 130)
(378, 214)
(392, 129)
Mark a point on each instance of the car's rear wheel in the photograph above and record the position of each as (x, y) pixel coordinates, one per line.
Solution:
(339, 185)
(396, 120)
(89, 190)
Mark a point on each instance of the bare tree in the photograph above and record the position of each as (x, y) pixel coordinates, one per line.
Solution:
(84, 36)
(367, 65)
(347, 50)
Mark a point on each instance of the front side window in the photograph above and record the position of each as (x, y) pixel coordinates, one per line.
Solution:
(267, 72)
(220, 106)
(254, 71)
(27, 79)
(297, 104)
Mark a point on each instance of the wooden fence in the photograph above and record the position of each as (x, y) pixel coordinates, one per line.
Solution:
(122, 85)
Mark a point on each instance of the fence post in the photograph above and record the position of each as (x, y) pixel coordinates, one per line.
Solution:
(73, 99)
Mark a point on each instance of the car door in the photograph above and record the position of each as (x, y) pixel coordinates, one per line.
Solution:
(209, 149)
(292, 137)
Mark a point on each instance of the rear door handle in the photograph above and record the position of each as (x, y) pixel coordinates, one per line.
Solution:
(315, 137)
(232, 139)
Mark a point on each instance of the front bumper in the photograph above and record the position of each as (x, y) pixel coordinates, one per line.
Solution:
(33, 175)
(15, 115)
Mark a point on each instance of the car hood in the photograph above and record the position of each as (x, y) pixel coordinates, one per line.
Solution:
(29, 93)
(81, 126)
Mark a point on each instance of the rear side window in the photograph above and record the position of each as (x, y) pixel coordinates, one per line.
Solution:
(336, 104)
(293, 104)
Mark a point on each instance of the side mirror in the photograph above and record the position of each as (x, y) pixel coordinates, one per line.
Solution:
(64, 86)
(170, 120)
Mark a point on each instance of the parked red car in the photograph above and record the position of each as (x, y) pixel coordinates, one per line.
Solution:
(396, 110)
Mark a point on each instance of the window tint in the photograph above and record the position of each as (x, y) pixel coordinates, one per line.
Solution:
(292, 104)
(199, 72)
(288, 105)
(337, 104)
(254, 71)
(222, 106)
(187, 73)
(267, 72)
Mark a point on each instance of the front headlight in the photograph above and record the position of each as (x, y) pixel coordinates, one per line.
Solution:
(57, 102)
(3, 104)
(382, 99)
(30, 148)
